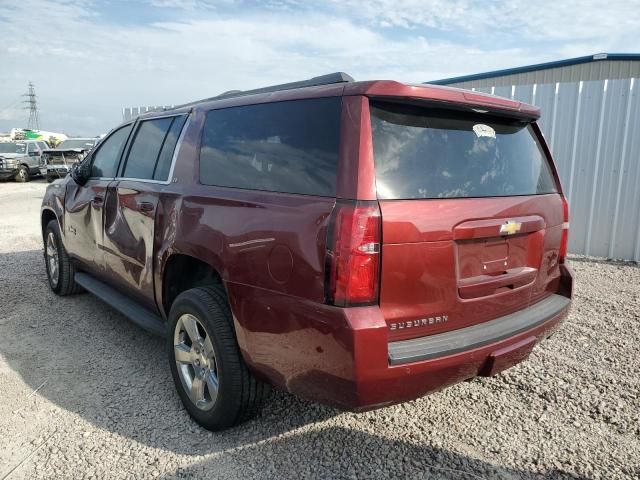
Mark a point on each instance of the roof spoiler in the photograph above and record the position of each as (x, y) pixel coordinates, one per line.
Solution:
(328, 79)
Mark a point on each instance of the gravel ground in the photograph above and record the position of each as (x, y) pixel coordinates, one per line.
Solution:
(105, 405)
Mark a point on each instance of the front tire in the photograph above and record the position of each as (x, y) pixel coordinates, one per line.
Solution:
(60, 271)
(212, 380)
(23, 174)
(49, 178)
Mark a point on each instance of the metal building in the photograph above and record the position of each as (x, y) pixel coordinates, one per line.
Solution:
(591, 119)
(132, 112)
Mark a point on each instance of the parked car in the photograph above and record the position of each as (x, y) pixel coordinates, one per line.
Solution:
(21, 160)
(57, 162)
(355, 243)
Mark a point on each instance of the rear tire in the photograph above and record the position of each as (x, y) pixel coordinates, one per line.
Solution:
(212, 380)
(60, 271)
(23, 174)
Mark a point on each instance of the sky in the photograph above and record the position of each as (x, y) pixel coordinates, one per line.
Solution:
(89, 59)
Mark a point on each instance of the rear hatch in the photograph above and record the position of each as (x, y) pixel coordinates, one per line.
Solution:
(471, 217)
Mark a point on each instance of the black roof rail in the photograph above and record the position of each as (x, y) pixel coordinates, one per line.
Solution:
(328, 79)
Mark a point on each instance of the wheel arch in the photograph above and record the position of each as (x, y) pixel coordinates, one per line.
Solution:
(181, 272)
(46, 216)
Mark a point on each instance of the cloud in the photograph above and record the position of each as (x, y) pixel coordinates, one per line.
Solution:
(87, 62)
(534, 20)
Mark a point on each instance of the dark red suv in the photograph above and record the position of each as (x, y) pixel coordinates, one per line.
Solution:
(355, 243)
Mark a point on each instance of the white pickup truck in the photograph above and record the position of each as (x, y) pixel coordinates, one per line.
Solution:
(21, 160)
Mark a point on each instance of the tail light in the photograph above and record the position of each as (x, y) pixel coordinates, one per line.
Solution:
(564, 241)
(353, 254)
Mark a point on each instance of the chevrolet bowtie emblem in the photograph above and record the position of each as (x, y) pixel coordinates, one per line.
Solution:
(510, 227)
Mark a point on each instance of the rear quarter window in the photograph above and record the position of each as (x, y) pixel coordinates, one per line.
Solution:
(152, 148)
(431, 153)
(289, 146)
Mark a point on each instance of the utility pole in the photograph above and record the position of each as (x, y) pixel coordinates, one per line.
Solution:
(31, 104)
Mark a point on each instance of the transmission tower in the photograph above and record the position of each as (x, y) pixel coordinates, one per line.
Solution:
(31, 104)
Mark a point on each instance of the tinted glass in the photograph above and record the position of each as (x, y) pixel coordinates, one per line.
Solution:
(32, 147)
(142, 158)
(423, 153)
(166, 153)
(281, 147)
(105, 160)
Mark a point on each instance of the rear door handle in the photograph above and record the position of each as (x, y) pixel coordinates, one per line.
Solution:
(146, 206)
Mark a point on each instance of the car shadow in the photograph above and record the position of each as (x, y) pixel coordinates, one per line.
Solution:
(340, 453)
(98, 364)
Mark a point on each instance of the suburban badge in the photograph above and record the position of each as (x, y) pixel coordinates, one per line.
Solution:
(419, 323)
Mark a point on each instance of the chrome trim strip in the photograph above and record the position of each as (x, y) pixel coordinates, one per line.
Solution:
(468, 338)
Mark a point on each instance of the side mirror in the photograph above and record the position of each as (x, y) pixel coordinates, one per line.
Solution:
(81, 172)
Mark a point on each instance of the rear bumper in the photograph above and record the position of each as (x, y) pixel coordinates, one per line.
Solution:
(420, 366)
(477, 336)
(342, 356)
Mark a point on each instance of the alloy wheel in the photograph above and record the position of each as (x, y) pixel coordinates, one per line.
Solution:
(52, 259)
(196, 361)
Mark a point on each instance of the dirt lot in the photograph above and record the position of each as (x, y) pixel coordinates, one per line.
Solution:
(105, 405)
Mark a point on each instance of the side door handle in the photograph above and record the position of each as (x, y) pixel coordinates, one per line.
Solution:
(146, 206)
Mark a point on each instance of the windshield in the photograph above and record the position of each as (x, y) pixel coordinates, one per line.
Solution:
(435, 153)
(83, 143)
(13, 148)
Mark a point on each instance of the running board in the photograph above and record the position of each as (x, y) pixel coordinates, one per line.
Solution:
(139, 315)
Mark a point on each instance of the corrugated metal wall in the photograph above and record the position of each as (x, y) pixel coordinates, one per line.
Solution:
(593, 128)
(600, 70)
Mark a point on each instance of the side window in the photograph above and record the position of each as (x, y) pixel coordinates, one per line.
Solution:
(166, 154)
(31, 147)
(152, 148)
(43, 146)
(289, 146)
(105, 160)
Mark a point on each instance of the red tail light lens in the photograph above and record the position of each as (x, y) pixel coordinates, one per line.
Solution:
(353, 254)
(564, 241)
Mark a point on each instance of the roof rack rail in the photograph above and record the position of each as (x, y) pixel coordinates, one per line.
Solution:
(328, 79)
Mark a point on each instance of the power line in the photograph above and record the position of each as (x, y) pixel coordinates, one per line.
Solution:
(31, 104)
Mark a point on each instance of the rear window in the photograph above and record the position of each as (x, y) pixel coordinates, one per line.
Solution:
(287, 146)
(434, 153)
